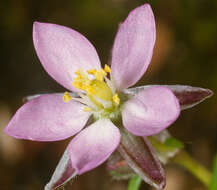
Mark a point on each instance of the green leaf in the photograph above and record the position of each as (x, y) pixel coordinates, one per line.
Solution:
(173, 143)
(213, 184)
(134, 183)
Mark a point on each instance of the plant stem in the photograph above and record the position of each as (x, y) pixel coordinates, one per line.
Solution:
(134, 183)
(213, 183)
(184, 159)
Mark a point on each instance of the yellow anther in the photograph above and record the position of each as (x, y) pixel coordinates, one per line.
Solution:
(100, 74)
(66, 97)
(95, 88)
(81, 75)
(89, 89)
(91, 71)
(103, 72)
(87, 109)
(81, 81)
(107, 69)
(77, 84)
(116, 99)
(78, 73)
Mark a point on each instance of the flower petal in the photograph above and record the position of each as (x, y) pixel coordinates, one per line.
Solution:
(150, 111)
(62, 51)
(47, 118)
(133, 47)
(92, 146)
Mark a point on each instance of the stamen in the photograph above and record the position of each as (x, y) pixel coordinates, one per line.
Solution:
(100, 74)
(96, 87)
(89, 89)
(107, 69)
(91, 71)
(66, 97)
(81, 81)
(110, 85)
(116, 99)
(78, 72)
(87, 109)
(87, 101)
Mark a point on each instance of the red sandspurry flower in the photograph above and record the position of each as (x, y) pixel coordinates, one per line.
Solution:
(101, 93)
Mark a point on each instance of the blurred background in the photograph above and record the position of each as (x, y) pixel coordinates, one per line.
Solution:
(185, 53)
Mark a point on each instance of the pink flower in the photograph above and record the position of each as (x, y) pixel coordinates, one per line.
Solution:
(73, 62)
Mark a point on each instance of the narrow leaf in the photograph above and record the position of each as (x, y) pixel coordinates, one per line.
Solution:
(134, 183)
(188, 96)
(141, 157)
(62, 174)
(213, 184)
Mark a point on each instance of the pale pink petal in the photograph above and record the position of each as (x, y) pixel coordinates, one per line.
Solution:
(47, 118)
(92, 146)
(150, 111)
(62, 51)
(133, 47)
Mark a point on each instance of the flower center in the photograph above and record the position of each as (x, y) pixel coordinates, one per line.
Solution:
(97, 91)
